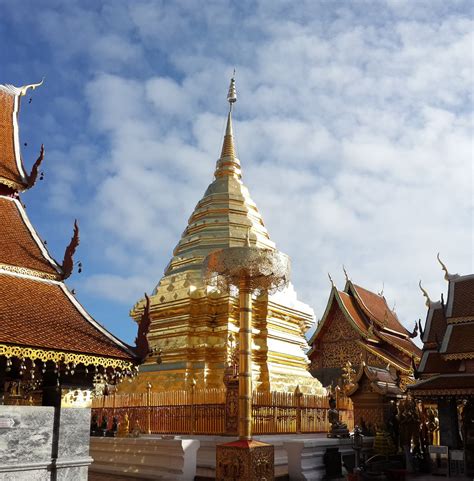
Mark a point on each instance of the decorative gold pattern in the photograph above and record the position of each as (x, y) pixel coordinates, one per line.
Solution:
(65, 357)
(215, 411)
(29, 272)
(458, 320)
(265, 269)
(459, 355)
(442, 392)
(13, 185)
(386, 359)
(253, 463)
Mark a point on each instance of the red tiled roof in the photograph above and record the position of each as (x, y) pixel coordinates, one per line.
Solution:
(17, 245)
(437, 327)
(406, 345)
(463, 302)
(461, 340)
(376, 307)
(435, 364)
(351, 307)
(40, 314)
(9, 172)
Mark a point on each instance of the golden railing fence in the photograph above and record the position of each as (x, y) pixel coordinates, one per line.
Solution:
(204, 411)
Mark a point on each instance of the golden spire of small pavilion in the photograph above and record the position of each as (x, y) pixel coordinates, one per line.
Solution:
(228, 149)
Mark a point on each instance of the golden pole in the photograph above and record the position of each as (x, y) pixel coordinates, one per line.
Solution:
(148, 403)
(245, 360)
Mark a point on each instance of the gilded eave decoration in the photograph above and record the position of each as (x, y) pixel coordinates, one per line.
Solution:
(459, 355)
(29, 272)
(64, 357)
(434, 393)
(12, 184)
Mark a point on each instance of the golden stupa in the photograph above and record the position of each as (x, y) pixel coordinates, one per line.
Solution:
(194, 326)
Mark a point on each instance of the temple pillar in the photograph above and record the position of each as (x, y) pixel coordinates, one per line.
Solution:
(448, 423)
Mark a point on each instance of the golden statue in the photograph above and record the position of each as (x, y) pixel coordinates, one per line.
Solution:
(124, 427)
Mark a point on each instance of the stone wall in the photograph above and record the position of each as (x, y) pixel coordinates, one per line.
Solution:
(44, 443)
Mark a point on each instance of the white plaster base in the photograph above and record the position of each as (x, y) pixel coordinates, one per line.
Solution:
(145, 457)
(306, 456)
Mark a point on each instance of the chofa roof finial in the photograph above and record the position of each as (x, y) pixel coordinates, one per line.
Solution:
(443, 266)
(68, 261)
(330, 278)
(428, 300)
(345, 273)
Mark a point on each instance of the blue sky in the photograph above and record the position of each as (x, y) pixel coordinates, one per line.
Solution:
(353, 126)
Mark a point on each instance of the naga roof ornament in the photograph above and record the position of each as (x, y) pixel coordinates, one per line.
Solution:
(68, 261)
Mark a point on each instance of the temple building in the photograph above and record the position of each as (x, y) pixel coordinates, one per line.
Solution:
(194, 326)
(360, 345)
(49, 344)
(358, 326)
(446, 370)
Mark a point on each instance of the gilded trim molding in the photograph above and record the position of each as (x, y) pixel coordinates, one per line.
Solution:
(61, 356)
(29, 272)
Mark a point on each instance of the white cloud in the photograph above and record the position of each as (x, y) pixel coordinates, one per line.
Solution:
(353, 126)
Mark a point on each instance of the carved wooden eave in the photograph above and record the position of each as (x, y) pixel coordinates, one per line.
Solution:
(384, 388)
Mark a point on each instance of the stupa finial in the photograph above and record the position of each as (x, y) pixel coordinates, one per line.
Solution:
(228, 149)
(232, 93)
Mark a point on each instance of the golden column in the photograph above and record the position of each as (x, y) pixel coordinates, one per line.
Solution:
(250, 269)
(245, 359)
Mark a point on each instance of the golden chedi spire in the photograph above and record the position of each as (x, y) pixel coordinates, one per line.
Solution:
(192, 320)
(228, 163)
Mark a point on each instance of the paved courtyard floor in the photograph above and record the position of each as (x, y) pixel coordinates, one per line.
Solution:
(424, 477)
(111, 477)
